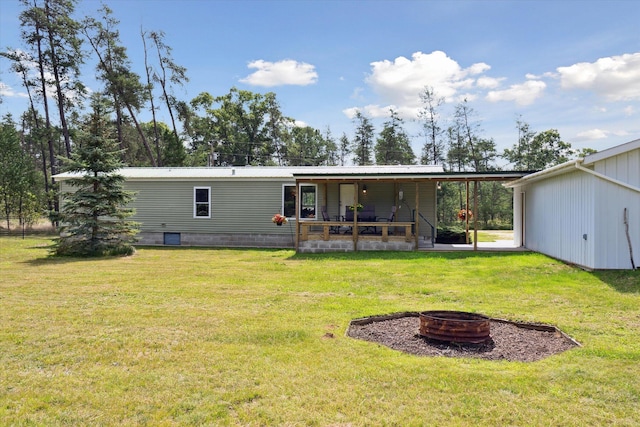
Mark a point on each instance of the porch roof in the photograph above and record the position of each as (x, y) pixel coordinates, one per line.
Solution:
(402, 173)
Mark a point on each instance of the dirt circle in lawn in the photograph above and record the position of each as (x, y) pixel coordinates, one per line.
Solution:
(511, 341)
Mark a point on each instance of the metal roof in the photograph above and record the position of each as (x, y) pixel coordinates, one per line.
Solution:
(305, 173)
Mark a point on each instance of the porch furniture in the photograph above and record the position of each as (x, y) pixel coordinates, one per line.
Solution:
(367, 214)
(390, 218)
(325, 217)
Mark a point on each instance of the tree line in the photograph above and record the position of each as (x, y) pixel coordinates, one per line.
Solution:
(237, 128)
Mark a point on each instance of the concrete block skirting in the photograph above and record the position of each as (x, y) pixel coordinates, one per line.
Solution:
(229, 240)
(221, 240)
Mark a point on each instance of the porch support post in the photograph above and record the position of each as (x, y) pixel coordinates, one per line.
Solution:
(475, 215)
(466, 217)
(417, 215)
(354, 230)
(297, 240)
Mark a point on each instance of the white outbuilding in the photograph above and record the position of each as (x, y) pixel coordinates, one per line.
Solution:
(585, 212)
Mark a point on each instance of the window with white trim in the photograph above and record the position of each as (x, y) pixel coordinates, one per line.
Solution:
(202, 202)
(308, 207)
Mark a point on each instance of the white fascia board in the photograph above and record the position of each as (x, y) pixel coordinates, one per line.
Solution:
(611, 152)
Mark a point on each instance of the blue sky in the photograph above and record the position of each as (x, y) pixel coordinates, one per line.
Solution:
(567, 65)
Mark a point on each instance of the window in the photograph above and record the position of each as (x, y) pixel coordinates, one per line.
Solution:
(202, 202)
(172, 238)
(307, 201)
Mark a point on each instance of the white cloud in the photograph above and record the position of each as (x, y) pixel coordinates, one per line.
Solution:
(7, 92)
(370, 110)
(616, 78)
(489, 82)
(399, 82)
(286, 72)
(378, 111)
(629, 110)
(593, 134)
(522, 94)
(350, 112)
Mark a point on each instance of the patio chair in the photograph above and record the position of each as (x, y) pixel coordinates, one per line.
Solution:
(390, 218)
(348, 217)
(325, 217)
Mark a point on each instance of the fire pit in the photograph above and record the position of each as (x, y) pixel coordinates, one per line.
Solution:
(455, 326)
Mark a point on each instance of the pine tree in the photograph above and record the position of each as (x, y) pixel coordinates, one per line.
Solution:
(94, 216)
(393, 146)
(363, 140)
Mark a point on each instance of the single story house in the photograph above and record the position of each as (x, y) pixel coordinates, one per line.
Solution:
(585, 211)
(332, 208)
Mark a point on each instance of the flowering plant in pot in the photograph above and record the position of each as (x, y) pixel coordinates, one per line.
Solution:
(357, 207)
(463, 214)
(279, 219)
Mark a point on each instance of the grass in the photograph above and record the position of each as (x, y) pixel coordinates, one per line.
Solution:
(241, 337)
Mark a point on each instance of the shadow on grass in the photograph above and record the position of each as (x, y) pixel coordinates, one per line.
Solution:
(401, 255)
(625, 281)
(52, 259)
(59, 260)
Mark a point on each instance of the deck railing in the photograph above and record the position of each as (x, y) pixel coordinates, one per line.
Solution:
(323, 229)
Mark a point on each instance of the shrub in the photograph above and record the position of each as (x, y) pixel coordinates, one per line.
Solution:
(451, 235)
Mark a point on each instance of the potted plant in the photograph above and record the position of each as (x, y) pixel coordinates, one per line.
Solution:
(279, 219)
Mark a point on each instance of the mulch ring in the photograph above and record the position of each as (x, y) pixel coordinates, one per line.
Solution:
(512, 341)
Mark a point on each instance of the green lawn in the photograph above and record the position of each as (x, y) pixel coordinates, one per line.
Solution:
(238, 337)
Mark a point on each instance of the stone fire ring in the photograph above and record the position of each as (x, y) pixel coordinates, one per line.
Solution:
(508, 340)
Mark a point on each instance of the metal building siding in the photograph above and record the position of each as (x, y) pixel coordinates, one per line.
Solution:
(558, 213)
(624, 167)
(612, 252)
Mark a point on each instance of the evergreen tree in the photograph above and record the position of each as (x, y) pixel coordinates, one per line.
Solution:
(363, 140)
(169, 72)
(433, 148)
(114, 69)
(344, 149)
(393, 146)
(95, 215)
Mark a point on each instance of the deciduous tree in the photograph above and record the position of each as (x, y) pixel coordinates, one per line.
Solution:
(19, 195)
(537, 150)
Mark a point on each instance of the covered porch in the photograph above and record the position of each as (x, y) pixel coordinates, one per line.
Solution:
(379, 208)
